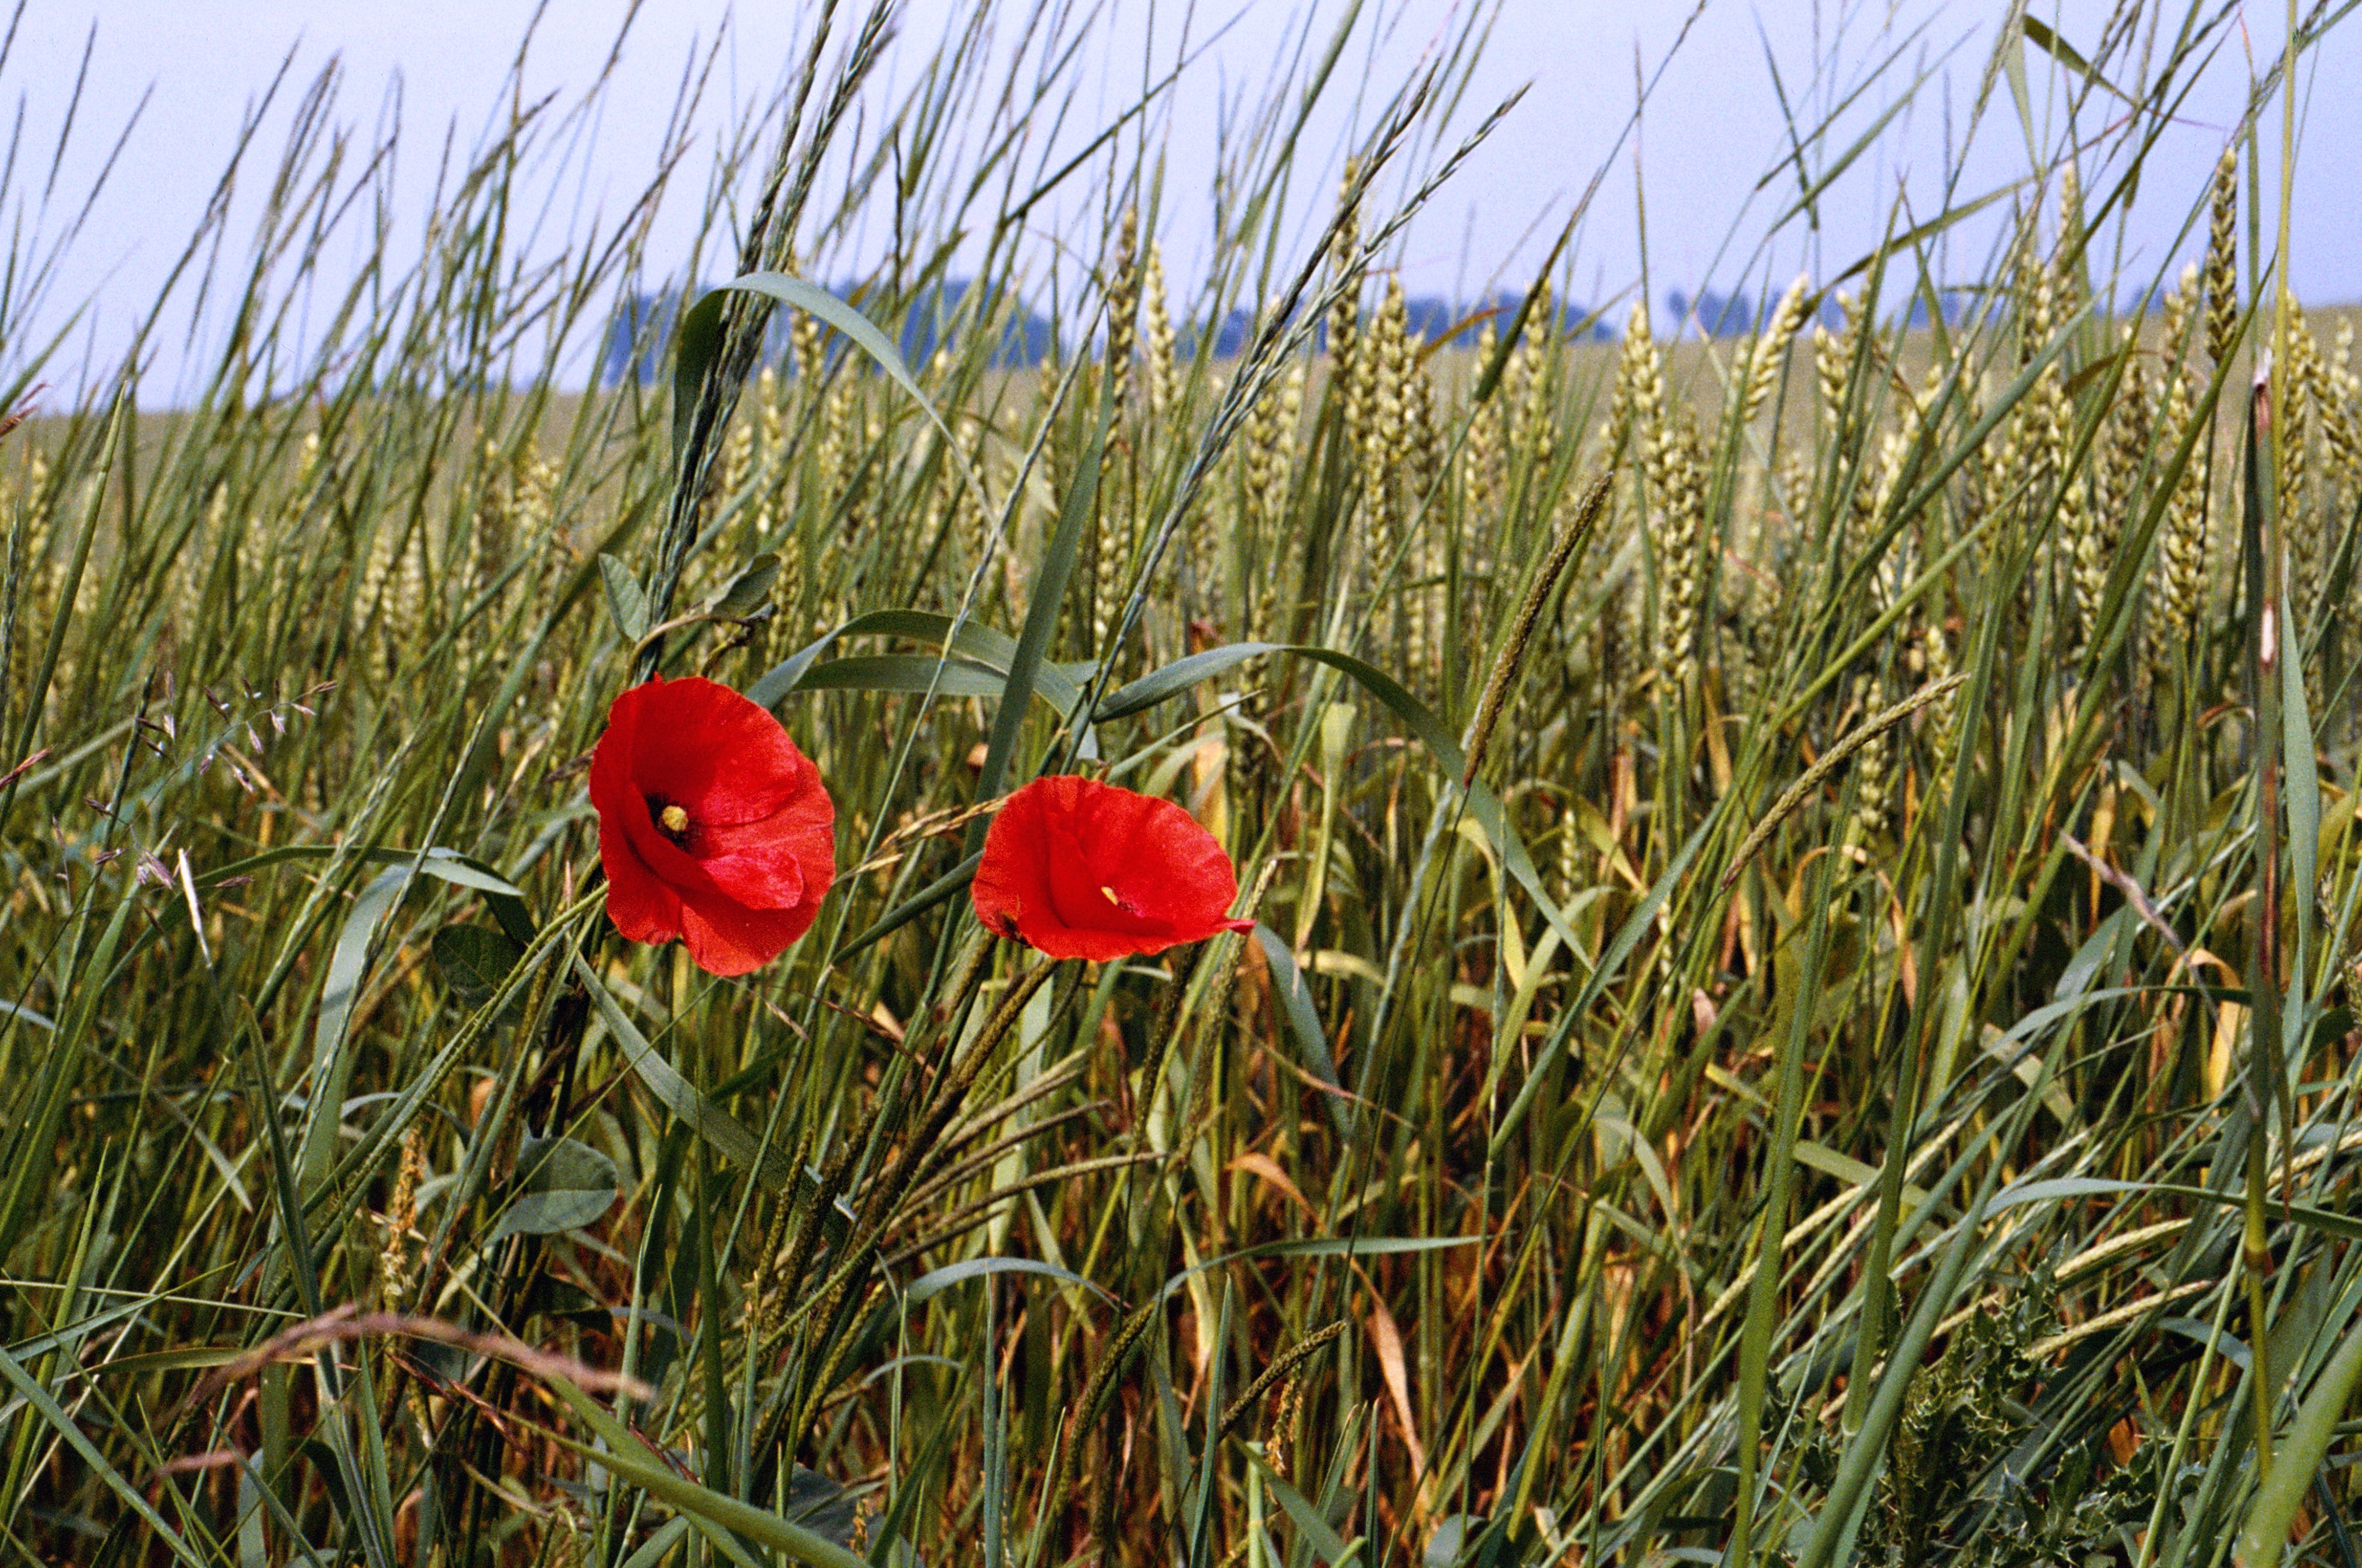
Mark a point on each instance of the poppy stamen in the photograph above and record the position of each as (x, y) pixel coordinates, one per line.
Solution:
(672, 821)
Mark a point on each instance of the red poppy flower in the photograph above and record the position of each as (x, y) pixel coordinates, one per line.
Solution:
(1081, 869)
(712, 826)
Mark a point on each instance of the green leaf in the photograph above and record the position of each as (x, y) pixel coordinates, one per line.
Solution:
(627, 601)
(446, 865)
(2058, 1188)
(1415, 715)
(822, 1504)
(1304, 1023)
(2062, 1188)
(979, 647)
(1318, 1533)
(568, 1185)
(2042, 38)
(331, 1063)
(474, 960)
(1627, 936)
(658, 1546)
(1326, 1247)
(348, 965)
(1173, 678)
(629, 1458)
(747, 589)
(2302, 770)
(1043, 613)
(941, 891)
(903, 672)
(37, 1019)
(713, 1124)
(936, 1281)
(2298, 1461)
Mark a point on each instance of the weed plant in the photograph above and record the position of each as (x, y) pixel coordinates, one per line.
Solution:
(1802, 1008)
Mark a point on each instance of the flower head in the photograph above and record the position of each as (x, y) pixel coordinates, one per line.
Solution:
(1081, 869)
(712, 826)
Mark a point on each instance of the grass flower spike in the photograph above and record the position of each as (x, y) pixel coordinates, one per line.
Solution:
(1081, 869)
(714, 828)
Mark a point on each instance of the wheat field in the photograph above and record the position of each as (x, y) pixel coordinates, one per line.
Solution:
(1806, 883)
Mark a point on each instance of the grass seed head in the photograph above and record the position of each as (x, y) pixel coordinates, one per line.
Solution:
(1124, 307)
(1770, 353)
(2067, 259)
(1681, 492)
(1873, 770)
(2341, 416)
(2182, 562)
(1164, 383)
(2222, 258)
(1345, 262)
(2302, 523)
(2125, 448)
(1481, 455)
(1537, 431)
(1834, 354)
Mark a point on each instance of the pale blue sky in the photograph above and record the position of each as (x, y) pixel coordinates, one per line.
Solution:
(1712, 129)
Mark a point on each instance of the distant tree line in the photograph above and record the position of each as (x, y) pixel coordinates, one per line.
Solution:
(639, 335)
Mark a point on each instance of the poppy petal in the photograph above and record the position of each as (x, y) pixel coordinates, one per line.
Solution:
(1081, 869)
(740, 871)
(727, 938)
(644, 907)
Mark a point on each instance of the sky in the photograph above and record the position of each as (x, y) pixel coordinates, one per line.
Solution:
(1712, 129)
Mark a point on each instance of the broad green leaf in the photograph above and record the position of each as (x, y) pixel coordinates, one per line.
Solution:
(627, 601)
(2303, 771)
(2040, 35)
(978, 646)
(568, 1184)
(1170, 681)
(1317, 1532)
(721, 1516)
(474, 959)
(2064, 1188)
(1326, 1247)
(331, 1063)
(505, 899)
(941, 890)
(38, 1021)
(1042, 614)
(902, 672)
(747, 589)
(1415, 715)
(936, 1281)
(658, 1546)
